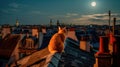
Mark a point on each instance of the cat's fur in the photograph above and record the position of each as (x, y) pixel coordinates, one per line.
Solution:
(56, 43)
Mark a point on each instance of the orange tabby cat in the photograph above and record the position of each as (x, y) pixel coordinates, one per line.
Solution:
(56, 43)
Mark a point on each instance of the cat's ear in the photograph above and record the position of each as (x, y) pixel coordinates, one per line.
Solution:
(59, 28)
(64, 28)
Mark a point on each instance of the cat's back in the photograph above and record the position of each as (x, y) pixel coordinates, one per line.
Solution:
(56, 37)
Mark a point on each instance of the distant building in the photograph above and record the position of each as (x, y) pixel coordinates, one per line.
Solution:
(29, 44)
(16, 30)
(17, 23)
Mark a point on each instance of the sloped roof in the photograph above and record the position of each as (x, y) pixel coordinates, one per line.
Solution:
(73, 56)
(7, 45)
(37, 56)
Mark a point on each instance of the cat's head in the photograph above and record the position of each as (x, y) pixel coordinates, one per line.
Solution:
(62, 30)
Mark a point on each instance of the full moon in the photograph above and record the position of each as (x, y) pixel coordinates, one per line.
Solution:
(93, 4)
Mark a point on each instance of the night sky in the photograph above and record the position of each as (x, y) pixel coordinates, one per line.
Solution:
(66, 11)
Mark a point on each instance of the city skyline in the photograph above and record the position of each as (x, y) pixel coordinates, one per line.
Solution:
(66, 11)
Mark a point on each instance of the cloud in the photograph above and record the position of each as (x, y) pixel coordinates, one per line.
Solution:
(13, 5)
(12, 8)
(75, 18)
(99, 19)
(95, 18)
(67, 15)
(9, 10)
(71, 14)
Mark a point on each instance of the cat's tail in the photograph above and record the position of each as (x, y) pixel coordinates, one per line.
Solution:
(52, 51)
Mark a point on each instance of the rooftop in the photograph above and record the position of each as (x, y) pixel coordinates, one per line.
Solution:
(7, 45)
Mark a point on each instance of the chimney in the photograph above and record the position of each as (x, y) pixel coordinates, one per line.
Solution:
(111, 41)
(114, 22)
(103, 57)
(109, 12)
(84, 44)
(6, 29)
(43, 30)
(104, 41)
(35, 32)
(71, 34)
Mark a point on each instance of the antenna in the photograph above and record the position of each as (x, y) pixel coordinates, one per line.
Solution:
(109, 19)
